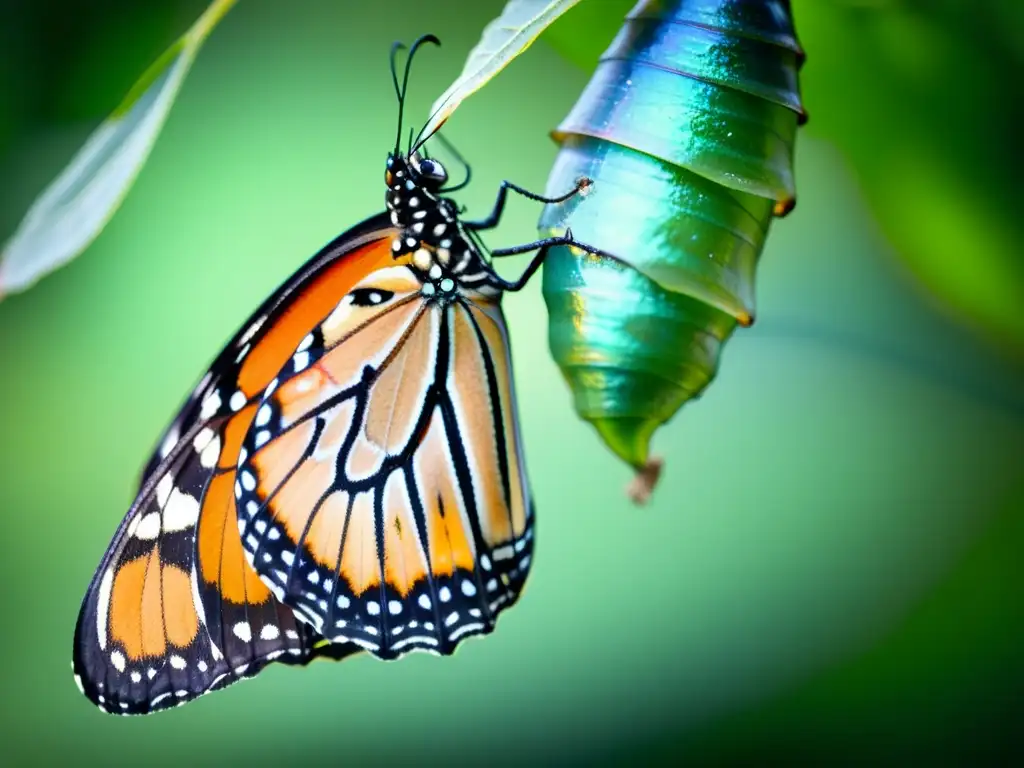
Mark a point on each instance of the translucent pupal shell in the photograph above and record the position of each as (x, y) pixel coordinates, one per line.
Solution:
(686, 129)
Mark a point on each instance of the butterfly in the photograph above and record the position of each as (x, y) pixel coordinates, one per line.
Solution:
(347, 476)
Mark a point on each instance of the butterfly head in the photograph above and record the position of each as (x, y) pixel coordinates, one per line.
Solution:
(414, 173)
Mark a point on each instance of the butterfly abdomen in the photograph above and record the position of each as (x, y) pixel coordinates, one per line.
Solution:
(687, 130)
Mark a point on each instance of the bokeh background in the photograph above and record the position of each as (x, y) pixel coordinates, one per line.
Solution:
(830, 570)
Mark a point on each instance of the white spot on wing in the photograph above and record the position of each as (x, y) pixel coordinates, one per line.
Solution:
(242, 631)
(102, 606)
(163, 490)
(251, 331)
(181, 512)
(148, 528)
(262, 415)
(197, 602)
(238, 400)
(178, 662)
(414, 639)
(210, 406)
(202, 439)
(169, 442)
(269, 632)
(465, 628)
(118, 660)
(209, 455)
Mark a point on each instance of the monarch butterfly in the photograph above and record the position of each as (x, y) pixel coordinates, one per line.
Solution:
(348, 475)
(687, 129)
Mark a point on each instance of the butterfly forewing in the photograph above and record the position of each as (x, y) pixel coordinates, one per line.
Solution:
(146, 639)
(383, 494)
(174, 609)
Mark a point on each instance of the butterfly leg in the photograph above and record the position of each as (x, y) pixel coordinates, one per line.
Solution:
(542, 247)
(499, 205)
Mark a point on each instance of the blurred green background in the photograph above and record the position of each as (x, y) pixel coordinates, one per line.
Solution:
(830, 569)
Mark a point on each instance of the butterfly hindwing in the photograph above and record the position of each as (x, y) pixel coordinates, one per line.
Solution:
(383, 494)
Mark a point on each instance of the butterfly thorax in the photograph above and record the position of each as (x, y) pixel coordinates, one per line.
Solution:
(430, 233)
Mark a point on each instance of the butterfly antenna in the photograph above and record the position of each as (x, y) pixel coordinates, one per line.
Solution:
(395, 48)
(405, 77)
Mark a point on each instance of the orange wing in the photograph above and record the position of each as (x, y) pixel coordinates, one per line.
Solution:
(174, 609)
(382, 492)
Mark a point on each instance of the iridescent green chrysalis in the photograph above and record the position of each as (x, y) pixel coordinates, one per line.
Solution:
(687, 130)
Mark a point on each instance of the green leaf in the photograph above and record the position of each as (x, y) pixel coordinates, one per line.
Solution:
(73, 210)
(918, 99)
(519, 24)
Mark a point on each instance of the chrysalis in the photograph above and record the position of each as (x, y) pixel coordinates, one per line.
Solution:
(687, 130)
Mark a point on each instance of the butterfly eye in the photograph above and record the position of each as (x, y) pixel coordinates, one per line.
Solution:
(429, 171)
(369, 297)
